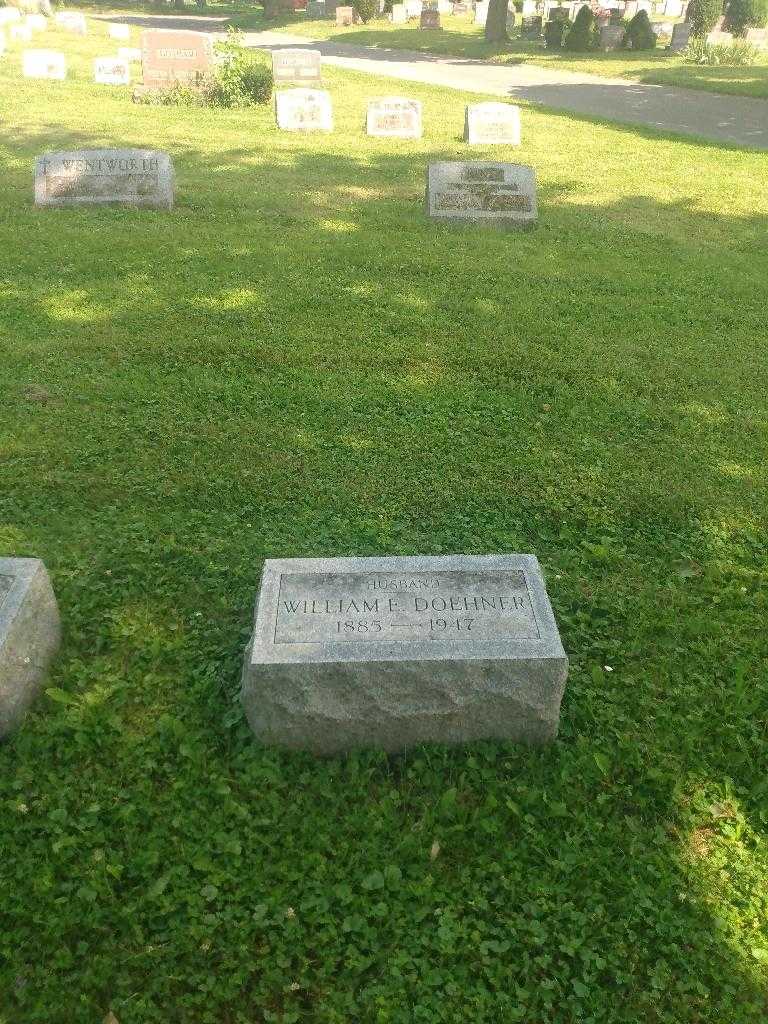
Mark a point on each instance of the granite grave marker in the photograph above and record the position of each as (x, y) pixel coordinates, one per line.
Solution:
(43, 64)
(429, 19)
(393, 651)
(96, 177)
(482, 192)
(170, 56)
(681, 35)
(489, 124)
(296, 65)
(304, 110)
(394, 117)
(111, 71)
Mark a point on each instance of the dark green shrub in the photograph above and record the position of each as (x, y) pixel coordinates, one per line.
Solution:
(554, 32)
(640, 35)
(584, 34)
(743, 14)
(702, 14)
(366, 9)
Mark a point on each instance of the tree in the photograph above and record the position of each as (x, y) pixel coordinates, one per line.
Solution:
(584, 32)
(702, 14)
(744, 14)
(640, 35)
(496, 22)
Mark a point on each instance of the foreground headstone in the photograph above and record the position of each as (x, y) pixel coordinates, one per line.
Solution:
(30, 633)
(72, 21)
(111, 71)
(492, 124)
(681, 35)
(97, 177)
(304, 110)
(43, 64)
(390, 652)
(296, 65)
(611, 37)
(120, 32)
(394, 117)
(482, 192)
(169, 56)
(430, 19)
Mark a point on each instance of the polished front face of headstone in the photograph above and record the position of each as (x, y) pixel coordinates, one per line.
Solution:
(394, 117)
(111, 71)
(169, 56)
(30, 634)
(120, 31)
(295, 65)
(492, 124)
(43, 64)
(482, 192)
(304, 110)
(88, 177)
(388, 652)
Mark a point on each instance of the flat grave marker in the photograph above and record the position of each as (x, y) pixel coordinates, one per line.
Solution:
(43, 64)
(482, 192)
(304, 110)
(492, 124)
(394, 117)
(111, 71)
(98, 177)
(170, 56)
(30, 634)
(393, 651)
(296, 65)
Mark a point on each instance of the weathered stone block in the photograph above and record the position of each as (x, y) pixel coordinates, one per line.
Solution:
(87, 177)
(482, 192)
(388, 652)
(30, 634)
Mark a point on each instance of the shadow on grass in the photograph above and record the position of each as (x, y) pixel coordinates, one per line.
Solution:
(269, 372)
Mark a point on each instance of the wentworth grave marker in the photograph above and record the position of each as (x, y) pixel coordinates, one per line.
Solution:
(296, 65)
(97, 177)
(170, 56)
(490, 124)
(390, 652)
(394, 117)
(304, 110)
(43, 64)
(30, 634)
(482, 192)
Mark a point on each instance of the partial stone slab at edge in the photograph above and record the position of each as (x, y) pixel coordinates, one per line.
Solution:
(393, 651)
(30, 634)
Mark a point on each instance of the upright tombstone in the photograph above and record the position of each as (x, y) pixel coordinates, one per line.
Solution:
(393, 651)
(492, 124)
(296, 65)
(532, 27)
(72, 21)
(611, 37)
(481, 12)
(304, 110)
(121, 32)
(429, 19)
(129, 53)
(681, 35)
(399, 14)
(169, 56)
(99, 177)
(30, 634)
(43, 64)
(482, 192)
(345, 16)
(394, 117)
(111, 71)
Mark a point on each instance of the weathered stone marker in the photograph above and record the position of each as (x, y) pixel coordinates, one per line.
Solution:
(389, 652)
(95, 177)
(72, 21)
(30, 634)
(169, 56)
(394, 117)
(296, 65)
(681, 35)
(430, 19)
(111, 71)
(491, 124)
(482, 192)
(43, 64)
(304, 110)
(532, 27)
(611, 37)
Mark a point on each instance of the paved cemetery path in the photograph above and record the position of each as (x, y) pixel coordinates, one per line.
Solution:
(738, 120)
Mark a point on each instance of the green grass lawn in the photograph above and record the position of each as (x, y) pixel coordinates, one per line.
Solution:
(296, 362)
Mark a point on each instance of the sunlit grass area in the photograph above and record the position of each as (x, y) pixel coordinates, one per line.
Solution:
(297, 362)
